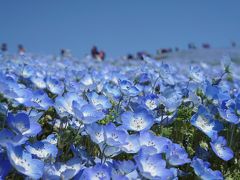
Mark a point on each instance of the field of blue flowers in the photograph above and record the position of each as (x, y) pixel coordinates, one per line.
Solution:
(82, 119)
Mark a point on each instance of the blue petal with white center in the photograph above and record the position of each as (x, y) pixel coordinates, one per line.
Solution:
(139, 120)
(23, 162)
(219, 146)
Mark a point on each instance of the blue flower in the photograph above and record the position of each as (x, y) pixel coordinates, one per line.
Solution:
(203, 170)
(96, 132)
(87, 113)
(114, 136)
(176, 155)
(23, 125)
(132, 144)
(124, 167)
(139, 120)
(55, 86)
(219, 146)
(63, 104)
(5, 166)
(151, 101)
(23, 162)
(42, 150)
(152, 144)
(153, 166)
(97, 172)
(204, 122)
(39, 82)
(197, 74)
(128, 89)
(8, 137)
(61, 170)
(112, 91)
(227, 111)
(41, 100)
(99, 101)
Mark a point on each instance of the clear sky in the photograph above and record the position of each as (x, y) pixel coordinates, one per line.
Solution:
(118, 27)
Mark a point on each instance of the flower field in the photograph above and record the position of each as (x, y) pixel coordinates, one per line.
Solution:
(117, 119)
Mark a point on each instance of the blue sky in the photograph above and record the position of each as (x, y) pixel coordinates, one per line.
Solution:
(118, 27)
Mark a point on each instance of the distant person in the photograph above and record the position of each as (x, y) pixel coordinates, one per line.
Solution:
(62, 52)
(164, 51)
(21, 50)
(140, 55)
(234, 44)
(206, 46)
(176, 49)
(130, 57)
(99, 55)
(4, 48)
(191, 46)
(94, 52)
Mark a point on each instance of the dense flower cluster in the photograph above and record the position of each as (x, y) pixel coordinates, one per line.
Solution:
(81, 119)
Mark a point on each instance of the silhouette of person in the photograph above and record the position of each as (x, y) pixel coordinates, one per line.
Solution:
(21, 49)
(4, 47)
(94, 52)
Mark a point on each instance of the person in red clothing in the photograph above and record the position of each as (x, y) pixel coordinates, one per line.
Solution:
(99, 55)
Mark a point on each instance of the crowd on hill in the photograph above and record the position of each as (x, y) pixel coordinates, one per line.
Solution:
(100, 55)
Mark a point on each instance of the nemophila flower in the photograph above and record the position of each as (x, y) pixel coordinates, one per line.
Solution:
(23, 162)
(152, 144)
(197, 74)
(28, 71)
(87, 113)
(211, 91)
(60, 170)
(219, 146)
(41, 100)
(139, 120)
(176, 155)
(81, 153)
(151, 101)
(8, 137)
(128, 89)
(87, 80)
(110, 151)
(123, 167)
(72, 86)
(5, 166)
(143, 79)
(52, 139)
(153, 166)
(23, 125)
(132, 144)
(55, 86)
(97, 172)
(112, 91)
(39, 82)
(166, 74)
(96, 132)
(203, 170)
(227, 111)
(42, 150)
(171, 98)
(63, 104)
(114, 136)
(23, 96)
(99, 101)
(204, 122)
